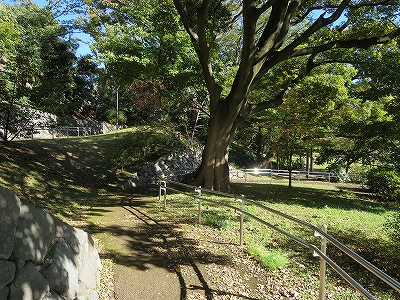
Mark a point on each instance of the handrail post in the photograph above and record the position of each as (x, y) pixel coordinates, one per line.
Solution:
(322, 263)
(198, 198)
(241, 215)
(163, 187)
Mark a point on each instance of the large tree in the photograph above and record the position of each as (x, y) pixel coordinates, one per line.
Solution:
(271, 33)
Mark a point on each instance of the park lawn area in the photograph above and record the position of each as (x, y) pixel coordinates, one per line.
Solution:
(66, 176)
(353, 216)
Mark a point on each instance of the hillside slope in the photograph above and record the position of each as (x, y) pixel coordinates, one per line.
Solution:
(62, 175)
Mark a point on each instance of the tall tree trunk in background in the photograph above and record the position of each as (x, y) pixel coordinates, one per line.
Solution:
(290, 167)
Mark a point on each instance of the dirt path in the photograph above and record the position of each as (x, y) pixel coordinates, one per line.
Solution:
(149, 255)
(159, 259)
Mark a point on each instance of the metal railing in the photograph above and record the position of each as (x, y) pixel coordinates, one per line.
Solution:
(318, 232)
(283, 173)
(74, 131)
(296, 174)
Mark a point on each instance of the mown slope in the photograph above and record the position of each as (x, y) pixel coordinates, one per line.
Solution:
(62, 175)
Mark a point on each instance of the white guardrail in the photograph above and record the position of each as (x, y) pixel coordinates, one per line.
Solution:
(243, 174)
(238, 206)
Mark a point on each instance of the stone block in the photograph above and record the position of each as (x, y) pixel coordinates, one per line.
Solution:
(91, 295)
(62, 273)
(34, 233)
(52, 296)
(9, 214)
(4, 293)
(7, 273)
(29, 284)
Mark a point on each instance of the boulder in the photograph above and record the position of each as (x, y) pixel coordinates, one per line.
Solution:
(89, 266)
(34, 233)
(4, 293)
(75, 265)
(62, 273)
(53, 296)
(91, 295)
(7, 273)
(9, 213)
(42, 257)
(29, 284)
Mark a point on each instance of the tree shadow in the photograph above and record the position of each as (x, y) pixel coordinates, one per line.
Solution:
(151, 242)
(344, 198)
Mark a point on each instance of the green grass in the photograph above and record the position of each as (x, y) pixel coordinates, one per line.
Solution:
(353, 216)
(270, 259)
(64, 175)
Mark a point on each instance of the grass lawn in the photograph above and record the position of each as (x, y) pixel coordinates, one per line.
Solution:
(66, 176)
(352, 215)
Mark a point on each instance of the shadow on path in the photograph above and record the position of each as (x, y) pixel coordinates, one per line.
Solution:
(154, 259)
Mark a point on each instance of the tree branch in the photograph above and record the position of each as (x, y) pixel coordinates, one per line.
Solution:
(184, 17)
(250, 109)
(259, 11)
(362, 44)
(200, 44)
(317, 25)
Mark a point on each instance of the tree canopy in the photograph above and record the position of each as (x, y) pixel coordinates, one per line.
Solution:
(273, 34)
(253, 55)
(293, 71)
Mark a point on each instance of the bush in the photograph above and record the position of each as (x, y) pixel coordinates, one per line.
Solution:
(384, 182)
(392, 226)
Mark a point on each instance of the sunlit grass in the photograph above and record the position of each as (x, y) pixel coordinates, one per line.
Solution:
(65, 175)
(353, 217)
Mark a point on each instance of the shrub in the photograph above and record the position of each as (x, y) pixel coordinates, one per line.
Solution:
(392, 226)
(384, 182)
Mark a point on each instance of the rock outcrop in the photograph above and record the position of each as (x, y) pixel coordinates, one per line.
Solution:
(42, 257)
(167, 167)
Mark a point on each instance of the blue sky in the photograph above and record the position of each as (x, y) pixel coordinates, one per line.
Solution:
(84, 38)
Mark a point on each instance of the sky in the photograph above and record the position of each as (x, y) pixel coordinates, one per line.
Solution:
(83, 47)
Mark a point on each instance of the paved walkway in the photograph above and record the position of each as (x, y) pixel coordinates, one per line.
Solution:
(152, 261)
(160, 259)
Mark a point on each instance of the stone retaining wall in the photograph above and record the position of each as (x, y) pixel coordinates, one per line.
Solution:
(44, 125)
(171, 167)
(43, 258)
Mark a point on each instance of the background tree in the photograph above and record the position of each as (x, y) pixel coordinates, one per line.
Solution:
(148, 56)
(370, 133)
(39, 70)
(21, 65)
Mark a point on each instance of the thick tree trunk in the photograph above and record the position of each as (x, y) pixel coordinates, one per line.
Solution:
(214, 169)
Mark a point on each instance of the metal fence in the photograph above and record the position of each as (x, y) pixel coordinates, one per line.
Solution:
(238, 206)
(252, 174)
(37, 132)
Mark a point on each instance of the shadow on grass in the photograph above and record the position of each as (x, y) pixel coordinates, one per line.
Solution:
(345, 199)
(62, 175)
(146, 242)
